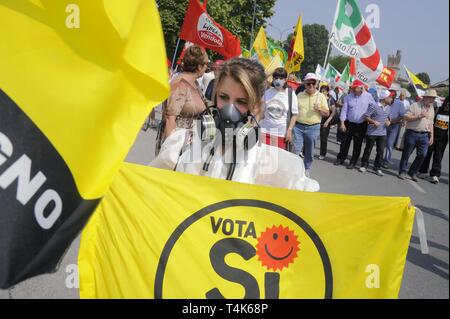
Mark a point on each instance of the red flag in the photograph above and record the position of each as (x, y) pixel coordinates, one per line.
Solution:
(293, 85)
(201, 29)
(386, 77)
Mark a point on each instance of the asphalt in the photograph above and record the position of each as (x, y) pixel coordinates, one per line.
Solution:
(425, 276)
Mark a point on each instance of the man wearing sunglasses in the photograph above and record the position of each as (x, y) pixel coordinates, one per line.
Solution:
(312, 106)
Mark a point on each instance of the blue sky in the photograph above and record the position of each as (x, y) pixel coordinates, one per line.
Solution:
(417, 27)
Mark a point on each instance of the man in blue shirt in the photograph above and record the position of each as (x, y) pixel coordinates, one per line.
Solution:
(353, 122)
(378, 118)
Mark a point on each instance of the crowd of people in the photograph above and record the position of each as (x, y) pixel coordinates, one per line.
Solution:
(255, 128)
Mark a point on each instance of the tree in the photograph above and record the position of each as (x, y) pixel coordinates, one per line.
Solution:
(235, 15)
(315, 40)
(410, 89)
(424, 77)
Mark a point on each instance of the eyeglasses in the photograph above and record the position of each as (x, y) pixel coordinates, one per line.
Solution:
(310, 84)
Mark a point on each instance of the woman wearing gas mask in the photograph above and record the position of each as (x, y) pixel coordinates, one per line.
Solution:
(281, 112)
(227, 143)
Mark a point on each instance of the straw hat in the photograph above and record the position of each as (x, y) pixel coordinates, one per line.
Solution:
(430, 93)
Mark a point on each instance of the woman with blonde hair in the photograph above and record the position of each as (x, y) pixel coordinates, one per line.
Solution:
(234, 152)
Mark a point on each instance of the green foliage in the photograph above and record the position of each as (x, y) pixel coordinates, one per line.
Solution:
(424, 77)
(315, 40)
(287, 43)
(235, 15)
(412, 91)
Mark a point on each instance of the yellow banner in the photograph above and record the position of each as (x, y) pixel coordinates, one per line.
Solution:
(77, 80)
(161, 234)
(298, 51)
(87, 73)
(262, 49)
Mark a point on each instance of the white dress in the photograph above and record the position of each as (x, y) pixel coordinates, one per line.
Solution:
(262, 164)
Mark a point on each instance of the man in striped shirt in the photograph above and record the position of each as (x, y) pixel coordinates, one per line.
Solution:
(378, 118)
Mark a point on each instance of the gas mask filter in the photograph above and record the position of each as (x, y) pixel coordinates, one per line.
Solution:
(231, 124)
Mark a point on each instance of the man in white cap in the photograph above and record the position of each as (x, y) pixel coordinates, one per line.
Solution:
(377, 116)
(312, 106)
(419, 134)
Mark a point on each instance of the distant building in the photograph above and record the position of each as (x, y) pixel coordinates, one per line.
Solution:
(395, 63)
(441, 87)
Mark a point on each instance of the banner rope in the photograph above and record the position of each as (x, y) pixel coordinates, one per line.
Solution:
(422, 233)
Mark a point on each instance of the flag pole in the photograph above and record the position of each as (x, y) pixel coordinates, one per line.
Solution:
(175, 54)
(324, 63)
(253, 26)
(410, 80)
(326, 56)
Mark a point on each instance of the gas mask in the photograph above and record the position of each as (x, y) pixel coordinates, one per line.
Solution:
(279, 83)
(231, 124)
(235, 129)
(229, 121)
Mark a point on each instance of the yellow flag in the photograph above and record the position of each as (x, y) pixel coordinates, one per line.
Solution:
(260, 46)
(418, 83)
(298, 52)
(77, 80)
(161, 234)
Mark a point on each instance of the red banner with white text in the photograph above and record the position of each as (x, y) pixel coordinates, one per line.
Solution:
(199, 28)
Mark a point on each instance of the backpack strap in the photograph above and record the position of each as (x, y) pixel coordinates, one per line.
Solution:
(289, 115)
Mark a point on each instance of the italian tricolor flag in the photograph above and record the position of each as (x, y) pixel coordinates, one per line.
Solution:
(331, 74)
(349, 73)
(352, 36)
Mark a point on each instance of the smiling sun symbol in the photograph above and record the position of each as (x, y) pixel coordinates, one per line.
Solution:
(277, 247)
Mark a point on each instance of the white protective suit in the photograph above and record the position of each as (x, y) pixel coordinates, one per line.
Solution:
(262, 164)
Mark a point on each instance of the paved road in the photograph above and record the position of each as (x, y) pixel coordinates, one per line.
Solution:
(426, 276)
